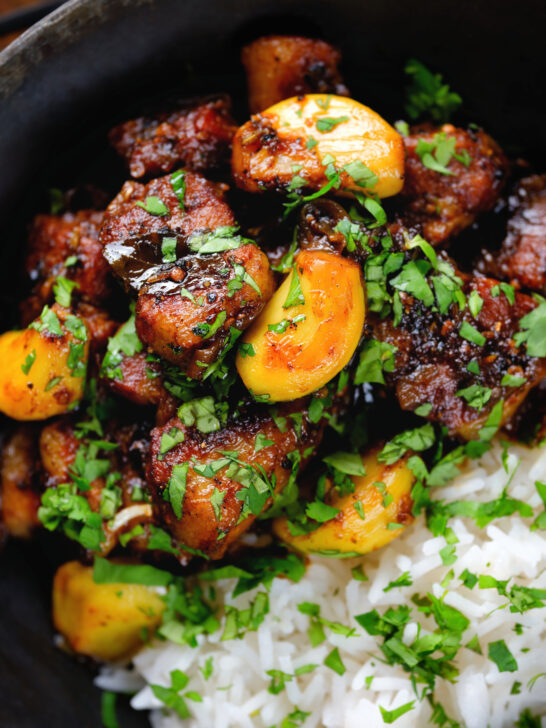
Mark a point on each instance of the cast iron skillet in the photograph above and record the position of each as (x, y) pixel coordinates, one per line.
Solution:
(93, 62)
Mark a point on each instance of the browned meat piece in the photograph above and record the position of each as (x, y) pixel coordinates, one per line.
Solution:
(445, 204)
(55, 239)
(59, 449)
(20, 494)
(279, 66)
(99, 325)
(522, 258)
(203, 209)
(197, 136)
(219, 488)
(432, 358)
(140, 380)
(228, 290)
(185, 310)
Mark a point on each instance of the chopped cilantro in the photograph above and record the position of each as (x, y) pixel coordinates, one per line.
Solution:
(206, 330)
(173, 437)
(124, 342)
(176, 487)
(533, 331)
(511, 380)
(403, 580)
(475, 303)
(62, 289)
(420, 438)
(499, 653)
(389, 716)
(246, 349)
(200, 413)
(48, 323)
(216, 501)
(475, 396)
(261, 442)
(108, 709)
(29, 361)
(154, 206)
(110, 572)
(346, 462)
(326, 123)
(468, 332)
(171, 696)
(168, 250)
(178, 184)
(334, 662)
(427, 94)
(295, 294)
(223, 238)
(375, 358)
(321, 512)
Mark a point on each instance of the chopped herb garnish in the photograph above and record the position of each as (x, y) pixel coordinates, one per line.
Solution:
(124, 342)
(389, 716)
(246, 349)
(168, 250)
(48, 323)
(375, 358)
(176, 487)
(170, 439)
(154, 206)
(283, 325)
(295, 294)
(200, 413)
(427, 94)
(216, 501)
(326, 123)
(29, 361)
(223, 238)
(178, 184)
(334, 662)
(475, 396)
(403, 580)
(62, 289)
(206, 330)
(533, 331)
(171, 696)
(108, 709)
(468, 332)
(499, 653)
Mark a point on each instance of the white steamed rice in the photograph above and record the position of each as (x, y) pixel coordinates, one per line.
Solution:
(236, 694)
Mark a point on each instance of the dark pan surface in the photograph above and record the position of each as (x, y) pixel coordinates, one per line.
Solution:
(94, 62)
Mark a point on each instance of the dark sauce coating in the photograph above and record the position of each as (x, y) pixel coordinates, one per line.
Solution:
(522, 257)
(191, 332)
(279, 66)
(196, 136)
(178, 304)
(444, 205)
(199, 526)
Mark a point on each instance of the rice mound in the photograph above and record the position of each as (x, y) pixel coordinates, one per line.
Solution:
(236, 693)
